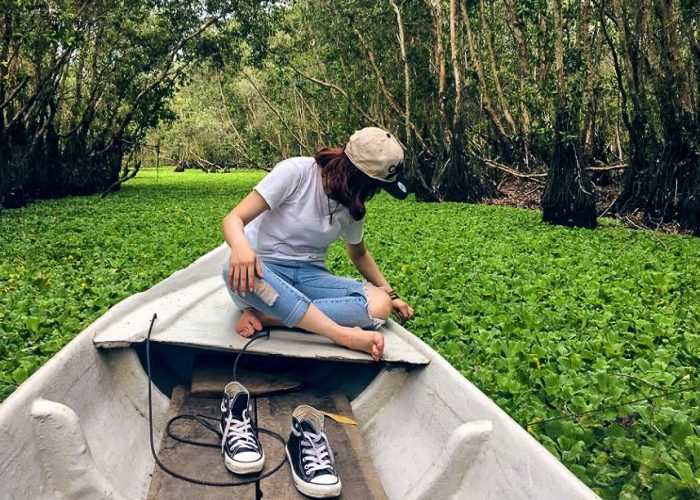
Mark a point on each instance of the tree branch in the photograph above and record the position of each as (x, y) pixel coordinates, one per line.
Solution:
(301, 143)
(165, 72)
(342, 92)
(15, 92)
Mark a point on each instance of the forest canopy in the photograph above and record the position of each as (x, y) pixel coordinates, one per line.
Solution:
(82, 82)
(575, 94)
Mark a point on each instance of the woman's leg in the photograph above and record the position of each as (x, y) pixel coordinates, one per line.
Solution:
(293, 309)
(371, 342)
(287, 309)
(345, 300)
(380, 304)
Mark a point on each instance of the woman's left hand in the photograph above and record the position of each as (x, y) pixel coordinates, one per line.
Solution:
(403, 311)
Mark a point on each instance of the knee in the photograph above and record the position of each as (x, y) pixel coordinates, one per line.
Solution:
(379, 302)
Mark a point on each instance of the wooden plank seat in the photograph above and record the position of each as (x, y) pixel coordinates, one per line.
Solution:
(211, 374)
(274, 411)
(199, 313)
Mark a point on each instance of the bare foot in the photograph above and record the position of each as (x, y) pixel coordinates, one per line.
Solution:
(248, 323)
(371, 342)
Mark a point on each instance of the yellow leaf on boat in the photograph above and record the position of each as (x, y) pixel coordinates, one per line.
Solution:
(341, 419)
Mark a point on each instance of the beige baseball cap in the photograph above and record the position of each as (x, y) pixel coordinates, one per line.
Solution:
(380, 155)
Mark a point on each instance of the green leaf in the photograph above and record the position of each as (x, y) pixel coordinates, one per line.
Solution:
(680, 429)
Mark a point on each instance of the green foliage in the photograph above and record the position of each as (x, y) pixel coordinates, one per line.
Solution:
(547, 321)
(550, 321)
(65, 262)
(80, 84)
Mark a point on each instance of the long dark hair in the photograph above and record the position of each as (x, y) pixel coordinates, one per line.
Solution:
(344, 182)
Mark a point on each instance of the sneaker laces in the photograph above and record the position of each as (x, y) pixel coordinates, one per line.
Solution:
(316, 451)
(240, 431)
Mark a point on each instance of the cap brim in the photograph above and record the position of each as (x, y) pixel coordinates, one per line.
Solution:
(398, 188)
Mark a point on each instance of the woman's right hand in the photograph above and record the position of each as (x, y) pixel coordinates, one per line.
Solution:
(244, 266)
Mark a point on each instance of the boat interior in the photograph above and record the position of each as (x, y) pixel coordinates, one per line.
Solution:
(193, 349)
(194, 378)
(79, 427)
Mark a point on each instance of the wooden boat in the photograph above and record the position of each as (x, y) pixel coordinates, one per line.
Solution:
(79, 427)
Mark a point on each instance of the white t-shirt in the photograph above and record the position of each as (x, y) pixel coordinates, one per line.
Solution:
(297, 226)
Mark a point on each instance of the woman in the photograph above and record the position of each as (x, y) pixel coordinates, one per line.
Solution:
(280, 232)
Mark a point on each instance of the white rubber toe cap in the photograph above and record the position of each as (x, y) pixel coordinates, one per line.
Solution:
(325, 479)
(246, 462)
(247, 456)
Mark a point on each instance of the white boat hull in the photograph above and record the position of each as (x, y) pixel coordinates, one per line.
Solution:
(78, 427)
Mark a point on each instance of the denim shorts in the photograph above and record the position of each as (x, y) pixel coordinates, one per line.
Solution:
(299, 284)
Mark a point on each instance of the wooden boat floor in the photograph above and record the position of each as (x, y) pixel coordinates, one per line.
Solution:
(274, 411)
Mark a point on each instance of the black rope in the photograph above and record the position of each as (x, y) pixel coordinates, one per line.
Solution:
(202, 419)
(255, 337)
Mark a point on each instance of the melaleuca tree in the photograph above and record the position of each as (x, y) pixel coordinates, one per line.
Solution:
(81, 82)
(568, 198)
(655, 54)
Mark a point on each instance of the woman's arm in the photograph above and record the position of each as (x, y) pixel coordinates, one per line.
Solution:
(243, 263)
(365, 264)
(363, 261)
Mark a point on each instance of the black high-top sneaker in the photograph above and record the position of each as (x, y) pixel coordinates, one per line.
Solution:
(310, 455)
(242, 451)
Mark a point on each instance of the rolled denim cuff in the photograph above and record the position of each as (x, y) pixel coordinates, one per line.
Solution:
(294, 317)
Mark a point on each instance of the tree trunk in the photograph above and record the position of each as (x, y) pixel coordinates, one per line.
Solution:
(502, 136)
(568, 196)
(673, 184)
(631, 80)
(516, 27)
(488, 35)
